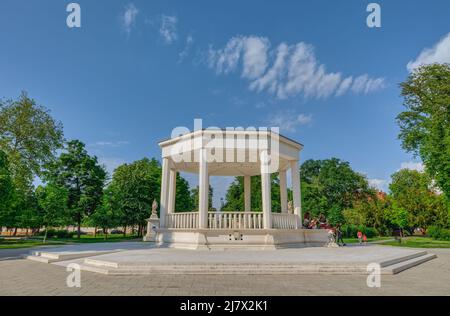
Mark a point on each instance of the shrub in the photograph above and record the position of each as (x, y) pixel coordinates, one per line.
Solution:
(53, 233)
(63, 234)
(438, 233)
(433, 232)
(351, 231)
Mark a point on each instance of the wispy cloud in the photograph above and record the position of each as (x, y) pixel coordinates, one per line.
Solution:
(128, 17)
(289, 121)
(110, 143)
(168, 28)
(439, 53)
(379, 184)
(187, 47)
(285, 71)
(413, 166)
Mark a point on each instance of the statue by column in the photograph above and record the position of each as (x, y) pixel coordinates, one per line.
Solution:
(154, 210)
(152, 223)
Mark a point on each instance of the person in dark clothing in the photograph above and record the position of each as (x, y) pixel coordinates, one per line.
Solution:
(339, 235)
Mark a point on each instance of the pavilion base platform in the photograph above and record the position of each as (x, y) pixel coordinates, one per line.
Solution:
(313, 260)
(245, 239)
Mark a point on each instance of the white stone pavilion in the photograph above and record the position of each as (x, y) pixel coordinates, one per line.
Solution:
(243, 153)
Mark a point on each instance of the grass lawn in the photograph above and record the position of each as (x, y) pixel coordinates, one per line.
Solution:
(25, 243)
(419, 242)
(37, 241)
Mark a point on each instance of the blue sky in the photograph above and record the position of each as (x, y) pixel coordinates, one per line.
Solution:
(137, 69)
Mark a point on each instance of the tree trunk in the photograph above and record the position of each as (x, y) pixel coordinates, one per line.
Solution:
(125, 231)
(45, 235)
(79, 227)
(95, 232)
(15, 232)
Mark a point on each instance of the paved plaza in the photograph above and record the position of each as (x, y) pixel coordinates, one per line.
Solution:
(24, 277)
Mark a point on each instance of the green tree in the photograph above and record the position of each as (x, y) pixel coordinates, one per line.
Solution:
(234, 199)
(107, 215)
(398, 217)
(413, 192)
(369, 212)
(134, 187)
(6, 191)
(52, 201)
(194, 197)
(184, 201)
(330, 186)
(425, 125)
(83, 178)
(29, 136)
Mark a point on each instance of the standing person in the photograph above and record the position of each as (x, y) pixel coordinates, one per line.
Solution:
(339, 235)
(364, 238)
(360, 235)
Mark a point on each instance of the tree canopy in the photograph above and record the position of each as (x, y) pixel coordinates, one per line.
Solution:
(234, 199)
(29, 136)
(6, 191)
(413, 192)
(52, 202)
(330, 186)
(83, 178)
(425, 125)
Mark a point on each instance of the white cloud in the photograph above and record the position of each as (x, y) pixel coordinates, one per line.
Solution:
(364, 84)
(344, 86)
(413, 166)
(110, 143)
(129, 17)
(183, 54)
(289, 121)
(254, 57)
(168, 28)
(439, 53)
(286, 70)
(379, 184)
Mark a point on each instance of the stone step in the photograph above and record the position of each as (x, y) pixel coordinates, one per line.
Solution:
(403, 265)
(243, 270)
(38, 259)
(49, 257)
(397, 259)
(389, 266)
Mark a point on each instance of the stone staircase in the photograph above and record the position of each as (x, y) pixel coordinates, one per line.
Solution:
(392, 265)
(50, 257)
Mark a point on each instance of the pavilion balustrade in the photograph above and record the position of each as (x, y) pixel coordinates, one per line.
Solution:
(231, 220)
(284, 221)
(235, 220)
(182, 220)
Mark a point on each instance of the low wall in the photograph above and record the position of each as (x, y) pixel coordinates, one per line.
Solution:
(258, 239)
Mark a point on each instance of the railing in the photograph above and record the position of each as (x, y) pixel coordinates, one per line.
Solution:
(235, 220)
(284, 221)
(182, 220)
(232, 220)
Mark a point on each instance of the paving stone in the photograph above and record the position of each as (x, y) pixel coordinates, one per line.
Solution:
(22, 277)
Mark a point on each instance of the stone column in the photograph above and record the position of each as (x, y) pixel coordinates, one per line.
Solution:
(296, 190)
(247, 194)
(283, 191)
(203, 188)
(164, 192)
(172, 192)
(266, 190)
